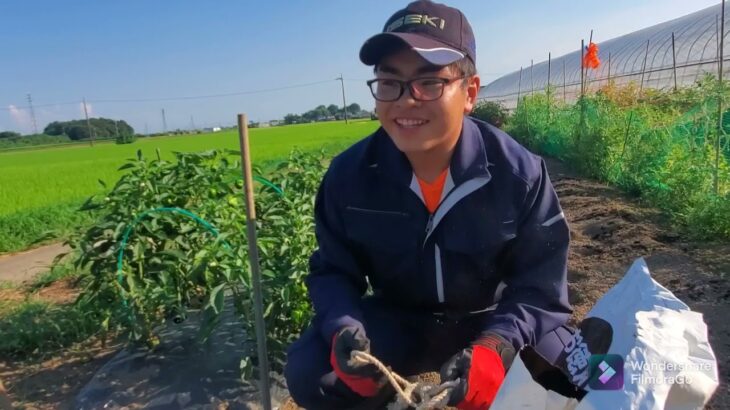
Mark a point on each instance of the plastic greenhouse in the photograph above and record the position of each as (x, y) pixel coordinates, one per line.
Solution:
(695, 37)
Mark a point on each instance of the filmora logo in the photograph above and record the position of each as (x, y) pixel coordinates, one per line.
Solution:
(607, 372)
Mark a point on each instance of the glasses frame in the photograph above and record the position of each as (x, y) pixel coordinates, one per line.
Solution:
(409, 83)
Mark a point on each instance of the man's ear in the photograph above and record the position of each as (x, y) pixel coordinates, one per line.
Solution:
(472, 92)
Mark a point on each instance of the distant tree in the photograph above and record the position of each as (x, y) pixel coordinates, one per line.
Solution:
(54, 128)
(321, 112)
(292, 119)
(125, 138)
(101, 127)
(491, 112)
(9, 134)
(308, 116)
(77, 132)
(353, 108)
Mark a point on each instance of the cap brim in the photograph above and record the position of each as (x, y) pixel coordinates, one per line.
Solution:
(433, 51)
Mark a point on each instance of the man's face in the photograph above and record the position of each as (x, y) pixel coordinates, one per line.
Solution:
(420, 126)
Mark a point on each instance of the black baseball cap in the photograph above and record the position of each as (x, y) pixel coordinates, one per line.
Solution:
(439, 33)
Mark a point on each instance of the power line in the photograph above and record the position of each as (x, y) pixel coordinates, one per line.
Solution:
(197, 97)
(178, 98)
(24, 107)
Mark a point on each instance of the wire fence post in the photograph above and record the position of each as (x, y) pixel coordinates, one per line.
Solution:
(582, 73)
(547, 88)
(631, 113)
(526, 107)
(565, 98)
(720, 91)
(643, 68)
(674, 63)
(519, 89)
(532, 82)
(608, 79)
(582, 92)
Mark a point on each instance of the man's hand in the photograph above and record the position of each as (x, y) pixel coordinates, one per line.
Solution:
(363, 379)
(479, 371)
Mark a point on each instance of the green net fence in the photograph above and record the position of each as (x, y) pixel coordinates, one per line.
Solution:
(660, 146)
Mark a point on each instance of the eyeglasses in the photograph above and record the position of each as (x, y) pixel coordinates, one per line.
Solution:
(421, 89)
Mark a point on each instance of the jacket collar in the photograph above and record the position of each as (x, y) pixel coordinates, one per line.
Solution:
(468, 161)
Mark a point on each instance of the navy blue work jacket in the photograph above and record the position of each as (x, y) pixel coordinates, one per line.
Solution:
(498, 238)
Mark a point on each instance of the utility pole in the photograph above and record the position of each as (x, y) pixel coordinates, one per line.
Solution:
(164, 122)
(116, 128)
(88, 124)
(192, 123)
(32, 114)
(344, 102)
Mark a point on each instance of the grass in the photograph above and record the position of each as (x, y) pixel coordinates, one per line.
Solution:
(34, 327)
(37, 319)
(62, 270)
(41, 188)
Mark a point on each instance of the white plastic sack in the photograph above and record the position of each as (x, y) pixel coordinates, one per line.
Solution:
(667, 360)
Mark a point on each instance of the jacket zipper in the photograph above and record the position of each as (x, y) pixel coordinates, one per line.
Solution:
(437, 254)
(429, 226)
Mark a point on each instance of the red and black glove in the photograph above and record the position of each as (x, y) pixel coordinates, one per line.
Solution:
(363, 379)
(479, 370)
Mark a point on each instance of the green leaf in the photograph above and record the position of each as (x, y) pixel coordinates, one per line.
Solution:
(217, 298)
(175, 253)
(89, 205)
(197, 273)
(267, 312)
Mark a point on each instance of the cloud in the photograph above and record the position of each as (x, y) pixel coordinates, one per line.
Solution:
(89, 108)
(21, 118)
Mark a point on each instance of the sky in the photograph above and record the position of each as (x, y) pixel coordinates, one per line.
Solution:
(132, 59)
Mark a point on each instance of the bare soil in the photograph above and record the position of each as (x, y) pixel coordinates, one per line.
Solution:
(18, 267)
(609, 231)
(50, 382)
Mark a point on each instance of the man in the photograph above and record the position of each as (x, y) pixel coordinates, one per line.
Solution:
(453, 225)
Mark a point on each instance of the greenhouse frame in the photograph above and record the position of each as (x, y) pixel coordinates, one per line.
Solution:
(668, 55)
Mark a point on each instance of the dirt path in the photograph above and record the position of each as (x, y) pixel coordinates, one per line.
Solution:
(608, 232)
(21, 266)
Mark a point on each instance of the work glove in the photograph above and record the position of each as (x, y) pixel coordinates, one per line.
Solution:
(479, 371)
(363, 379)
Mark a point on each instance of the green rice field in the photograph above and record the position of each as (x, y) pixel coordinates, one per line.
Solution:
(41, 188)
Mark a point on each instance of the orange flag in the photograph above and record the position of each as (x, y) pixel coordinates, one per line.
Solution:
(590, 59)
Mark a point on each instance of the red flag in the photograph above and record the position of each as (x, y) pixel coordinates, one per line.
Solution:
(590, 59)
